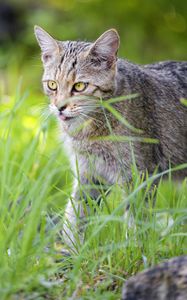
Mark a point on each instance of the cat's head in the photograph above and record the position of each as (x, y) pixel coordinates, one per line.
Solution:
(78, 73)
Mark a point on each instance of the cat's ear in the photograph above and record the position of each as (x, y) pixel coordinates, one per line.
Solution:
(106, 46)
(47, 43)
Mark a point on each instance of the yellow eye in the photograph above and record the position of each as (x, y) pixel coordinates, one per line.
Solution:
(52, 85)
(80, 86)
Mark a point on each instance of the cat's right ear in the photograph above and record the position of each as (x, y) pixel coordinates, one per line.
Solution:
(105, 47)
(47, 43)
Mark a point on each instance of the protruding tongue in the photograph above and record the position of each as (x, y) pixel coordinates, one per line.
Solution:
(62, 117)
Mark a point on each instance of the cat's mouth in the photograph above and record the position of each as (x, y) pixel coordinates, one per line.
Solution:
(63, 117)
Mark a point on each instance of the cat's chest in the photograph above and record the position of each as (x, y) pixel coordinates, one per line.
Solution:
(92, 160)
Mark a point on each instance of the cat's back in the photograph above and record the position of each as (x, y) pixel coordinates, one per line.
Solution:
(158, 77)
(167, 281)
(168, 66)
(174, 71)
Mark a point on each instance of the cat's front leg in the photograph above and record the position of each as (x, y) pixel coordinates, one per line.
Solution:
(75, 214)
(72, 234)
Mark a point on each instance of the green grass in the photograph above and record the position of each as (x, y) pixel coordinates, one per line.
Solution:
(34, 187)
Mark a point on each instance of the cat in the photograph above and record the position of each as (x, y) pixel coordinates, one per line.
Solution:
(167, 281)
(80, 76)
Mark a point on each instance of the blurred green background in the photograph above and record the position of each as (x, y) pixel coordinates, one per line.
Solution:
(149, 30)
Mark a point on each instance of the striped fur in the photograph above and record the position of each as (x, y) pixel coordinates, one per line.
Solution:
(157, 111)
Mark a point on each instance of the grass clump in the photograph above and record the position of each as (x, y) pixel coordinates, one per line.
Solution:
(35, 184)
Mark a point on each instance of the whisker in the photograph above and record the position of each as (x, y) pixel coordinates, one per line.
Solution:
(40, 108)
(81, 124)
(45, 111)
(96, 121)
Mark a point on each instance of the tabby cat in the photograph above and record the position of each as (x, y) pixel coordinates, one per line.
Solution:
(77, 75)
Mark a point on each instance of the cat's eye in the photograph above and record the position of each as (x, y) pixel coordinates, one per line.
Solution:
(52, 85)
(80, 86)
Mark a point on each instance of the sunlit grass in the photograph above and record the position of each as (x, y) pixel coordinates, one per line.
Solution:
(35, 185)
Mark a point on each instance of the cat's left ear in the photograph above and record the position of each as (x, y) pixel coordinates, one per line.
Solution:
(47, 43)
(106, 47)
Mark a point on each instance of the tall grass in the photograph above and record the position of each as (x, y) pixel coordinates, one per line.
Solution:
(35, 184)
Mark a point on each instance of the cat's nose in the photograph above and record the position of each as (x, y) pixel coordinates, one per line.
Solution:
(62, 108)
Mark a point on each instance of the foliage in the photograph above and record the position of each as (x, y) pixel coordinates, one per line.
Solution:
(35, 183)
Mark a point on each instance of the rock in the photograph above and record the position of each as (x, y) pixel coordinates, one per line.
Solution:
(166, 281)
